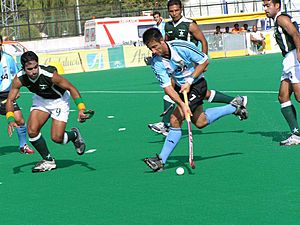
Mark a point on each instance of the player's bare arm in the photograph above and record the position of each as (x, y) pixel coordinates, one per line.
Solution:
(286, 23)
(65, 84)
(13, 93)
(197, 33)
(200, 68)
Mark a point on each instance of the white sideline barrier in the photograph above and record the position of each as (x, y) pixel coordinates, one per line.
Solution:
(71, 57)
(55, 45)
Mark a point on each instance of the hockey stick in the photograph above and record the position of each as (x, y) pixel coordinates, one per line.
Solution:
(167, 110)
(188, 120)
(90, 113)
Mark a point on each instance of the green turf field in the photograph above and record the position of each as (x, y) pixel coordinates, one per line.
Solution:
(242, 175)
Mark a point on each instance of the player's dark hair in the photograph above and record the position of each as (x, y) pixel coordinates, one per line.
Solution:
(1, 38)
(28, 56)
(276, 2)
(156, 13)
(174, 2)
(152, 34)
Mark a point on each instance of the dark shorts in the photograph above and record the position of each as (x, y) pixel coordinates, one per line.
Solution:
(196, 95)
(3, 106)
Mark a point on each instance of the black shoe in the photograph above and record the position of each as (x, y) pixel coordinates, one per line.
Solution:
(155, 163)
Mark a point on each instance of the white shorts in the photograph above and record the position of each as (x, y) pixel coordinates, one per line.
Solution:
(58, 108)
(291, 67)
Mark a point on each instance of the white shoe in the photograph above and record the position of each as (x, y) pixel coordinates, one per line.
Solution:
(293, 139)
(44, 165)
(159, 128)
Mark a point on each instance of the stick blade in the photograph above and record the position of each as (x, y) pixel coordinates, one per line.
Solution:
(193, 165)
(90, 113)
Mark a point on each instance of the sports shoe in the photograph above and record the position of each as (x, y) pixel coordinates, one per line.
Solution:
(44, 165)
(160, 128)
(293, 139)
(78, 142)
(240, 102)
(156, 164)
(26, 150)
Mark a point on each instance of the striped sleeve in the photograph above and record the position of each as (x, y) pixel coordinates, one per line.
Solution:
(161, 73)
(191, 51)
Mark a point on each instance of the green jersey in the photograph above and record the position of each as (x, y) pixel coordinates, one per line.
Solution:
(180, 30)
(283, 39)
(42, 85)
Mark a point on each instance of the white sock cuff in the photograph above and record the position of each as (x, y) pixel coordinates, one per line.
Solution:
(65, 141)
(212, 95)
(35, 138)
(175, 129)
(168, 99)
(286, 104)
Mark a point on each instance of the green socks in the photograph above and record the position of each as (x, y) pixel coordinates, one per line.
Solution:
(69, 136)
(289, 113)
(219, 97)
(40, 145)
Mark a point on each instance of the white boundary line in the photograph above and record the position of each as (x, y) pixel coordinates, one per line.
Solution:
(161, 92)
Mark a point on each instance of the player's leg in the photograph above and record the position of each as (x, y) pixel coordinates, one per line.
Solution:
(203, 118)
(60, 135)
(240, 102)
(39, 115)
(58, 132)
(174, 135)
(60, 114)
(22, 131)
(169, 106)
(218, 97)
(36, 121)
(162, 127)
(196, 96)
(287, 108)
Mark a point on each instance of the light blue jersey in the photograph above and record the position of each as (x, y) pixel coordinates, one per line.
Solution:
(161, 28)
(8, 69)
(184, 56)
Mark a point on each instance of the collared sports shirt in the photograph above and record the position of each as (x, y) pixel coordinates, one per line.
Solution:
(42, 85)
(8, 69)
(180, 30)
(283, 39)
(161, 28)
(183, 58)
